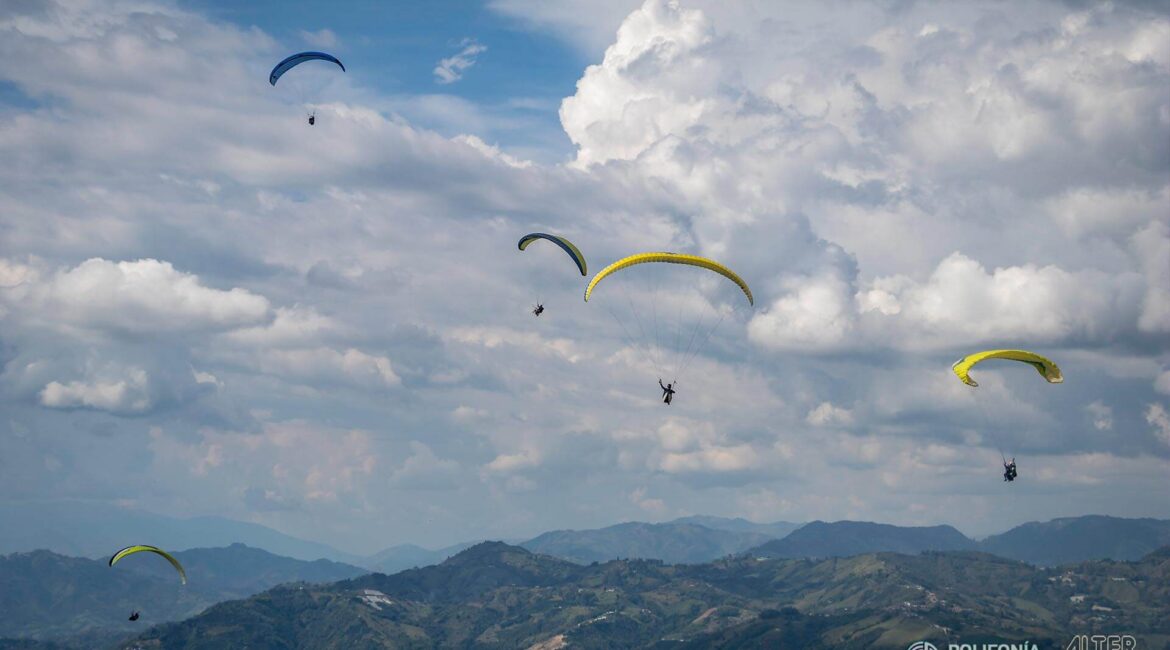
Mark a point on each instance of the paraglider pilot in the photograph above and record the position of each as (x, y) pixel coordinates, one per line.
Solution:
(133, 616)
(538, 310)
(667, 392)
(312, 119)
(1009, 470)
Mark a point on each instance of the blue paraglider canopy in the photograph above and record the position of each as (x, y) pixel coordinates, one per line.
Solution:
(297, 59)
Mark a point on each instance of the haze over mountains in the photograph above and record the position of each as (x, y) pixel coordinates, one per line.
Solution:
(95, 531)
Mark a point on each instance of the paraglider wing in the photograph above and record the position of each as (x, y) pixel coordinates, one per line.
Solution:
(1045, 367)
(670, 258)
(140, 548)
(297, 59)
(565, 245)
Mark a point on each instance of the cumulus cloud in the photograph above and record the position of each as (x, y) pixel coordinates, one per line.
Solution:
(144, 296)
(1157, 418)
(451, 69)
(961, 300)
(812, 313)
(613, 115)
(662, 98)
(127, 395)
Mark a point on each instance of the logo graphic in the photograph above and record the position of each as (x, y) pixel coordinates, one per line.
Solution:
(922, 645)
(1110, 642)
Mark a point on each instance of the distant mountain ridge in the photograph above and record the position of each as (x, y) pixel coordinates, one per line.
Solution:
(1059, 541)
(1074, 539)
(409, 556)
(820, 539)
(776, 529)
(94, 529)
(674, 543)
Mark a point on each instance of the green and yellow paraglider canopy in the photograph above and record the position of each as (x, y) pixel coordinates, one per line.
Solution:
(1047, 369)
(142, 548)
(570, 249)
(670, 258)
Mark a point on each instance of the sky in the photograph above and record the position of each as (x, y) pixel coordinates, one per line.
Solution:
(208, 307)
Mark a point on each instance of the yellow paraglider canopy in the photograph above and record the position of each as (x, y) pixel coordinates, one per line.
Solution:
(141, 548)
(670, 258)
(1044, 366)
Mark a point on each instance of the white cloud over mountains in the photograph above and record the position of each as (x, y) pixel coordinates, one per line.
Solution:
(326, 329)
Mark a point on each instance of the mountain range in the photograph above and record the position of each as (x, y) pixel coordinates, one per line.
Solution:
(495, 595)
(81, 529)
(53, 598)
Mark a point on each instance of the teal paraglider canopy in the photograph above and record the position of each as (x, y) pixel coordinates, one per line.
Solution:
(297, 59)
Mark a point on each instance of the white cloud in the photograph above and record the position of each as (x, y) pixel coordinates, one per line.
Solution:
(350, 367)
(466, 414)
(1084, 211)
(962, 301)
(1153, 246)
(291, 326)
(126, 395)
(320, 38)
(655, 507)
(636, 95)
(813, 313)
(530, 341)
(451, 69)
(1101, 414)
(825, 414)
(510, 463)
(492, 151)
(424, 470)
(734, 458)
(14, 274)
(1157, 417)
(144, 296)
(1162, 382)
